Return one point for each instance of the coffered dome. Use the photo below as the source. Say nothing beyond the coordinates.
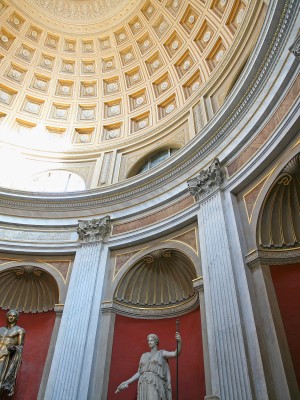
(105, 83)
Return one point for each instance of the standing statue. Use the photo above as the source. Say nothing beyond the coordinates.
(11, 347)
(154, 372)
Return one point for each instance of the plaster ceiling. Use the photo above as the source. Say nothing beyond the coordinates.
(83, 11)
(85, 76)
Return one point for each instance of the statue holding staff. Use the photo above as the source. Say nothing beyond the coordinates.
(154, 379)
(11, 347)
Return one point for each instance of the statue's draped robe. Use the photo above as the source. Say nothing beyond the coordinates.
(9, 361)
(155, 380)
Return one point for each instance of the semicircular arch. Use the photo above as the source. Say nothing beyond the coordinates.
(277, 215)
(43, 282)
(158, 282)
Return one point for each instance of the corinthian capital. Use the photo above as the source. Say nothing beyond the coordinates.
(94, 230)
(206, 181)
(295, 48)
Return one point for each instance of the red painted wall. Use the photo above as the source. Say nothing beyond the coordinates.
(38, 330)
(286, 280)
(130, 341)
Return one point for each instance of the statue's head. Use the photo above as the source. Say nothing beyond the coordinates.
(153, 337)
(12, 314)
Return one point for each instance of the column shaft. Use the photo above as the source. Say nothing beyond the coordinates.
(67, 365)
(229, 372)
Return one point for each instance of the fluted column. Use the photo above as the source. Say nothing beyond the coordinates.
(72, 361)
(227, 354)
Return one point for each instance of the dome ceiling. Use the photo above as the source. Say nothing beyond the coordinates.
(80, 11)
(79, 83)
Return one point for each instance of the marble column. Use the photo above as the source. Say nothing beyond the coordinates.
(72, 360)
(227, 354)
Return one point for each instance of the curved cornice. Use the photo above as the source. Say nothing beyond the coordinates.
(252, 82)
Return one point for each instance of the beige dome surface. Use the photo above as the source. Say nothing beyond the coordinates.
(80, 11)
(107, 82)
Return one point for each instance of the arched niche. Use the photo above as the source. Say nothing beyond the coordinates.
(30, 287)
(278, 222)
(157, 285)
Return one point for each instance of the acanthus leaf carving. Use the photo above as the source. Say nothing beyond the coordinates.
(295, 48)
(206, 181)
(94, 230)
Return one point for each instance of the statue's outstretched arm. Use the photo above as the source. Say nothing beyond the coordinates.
(124, 385)
(172, 354)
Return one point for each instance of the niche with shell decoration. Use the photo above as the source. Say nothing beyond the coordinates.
(278, 226)
(159, 285)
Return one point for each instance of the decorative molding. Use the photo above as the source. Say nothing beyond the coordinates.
(295, 48)
(150, 313)
(13, 234)
(155, 217)
(198, 284)
(157, 255)
(62, 266)
(189, 238)
(247, 153)
(207, 181)
(121, 259)
(271, 257)
(59, 308)
(94, 230)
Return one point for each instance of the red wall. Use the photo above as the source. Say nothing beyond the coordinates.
(130, 341)
(38, 330)
(286, 280)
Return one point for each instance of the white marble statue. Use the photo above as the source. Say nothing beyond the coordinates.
(154, 379)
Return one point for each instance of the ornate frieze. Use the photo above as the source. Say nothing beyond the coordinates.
(94, 230)
(271, 257)
(207, 180)
(36, 236)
